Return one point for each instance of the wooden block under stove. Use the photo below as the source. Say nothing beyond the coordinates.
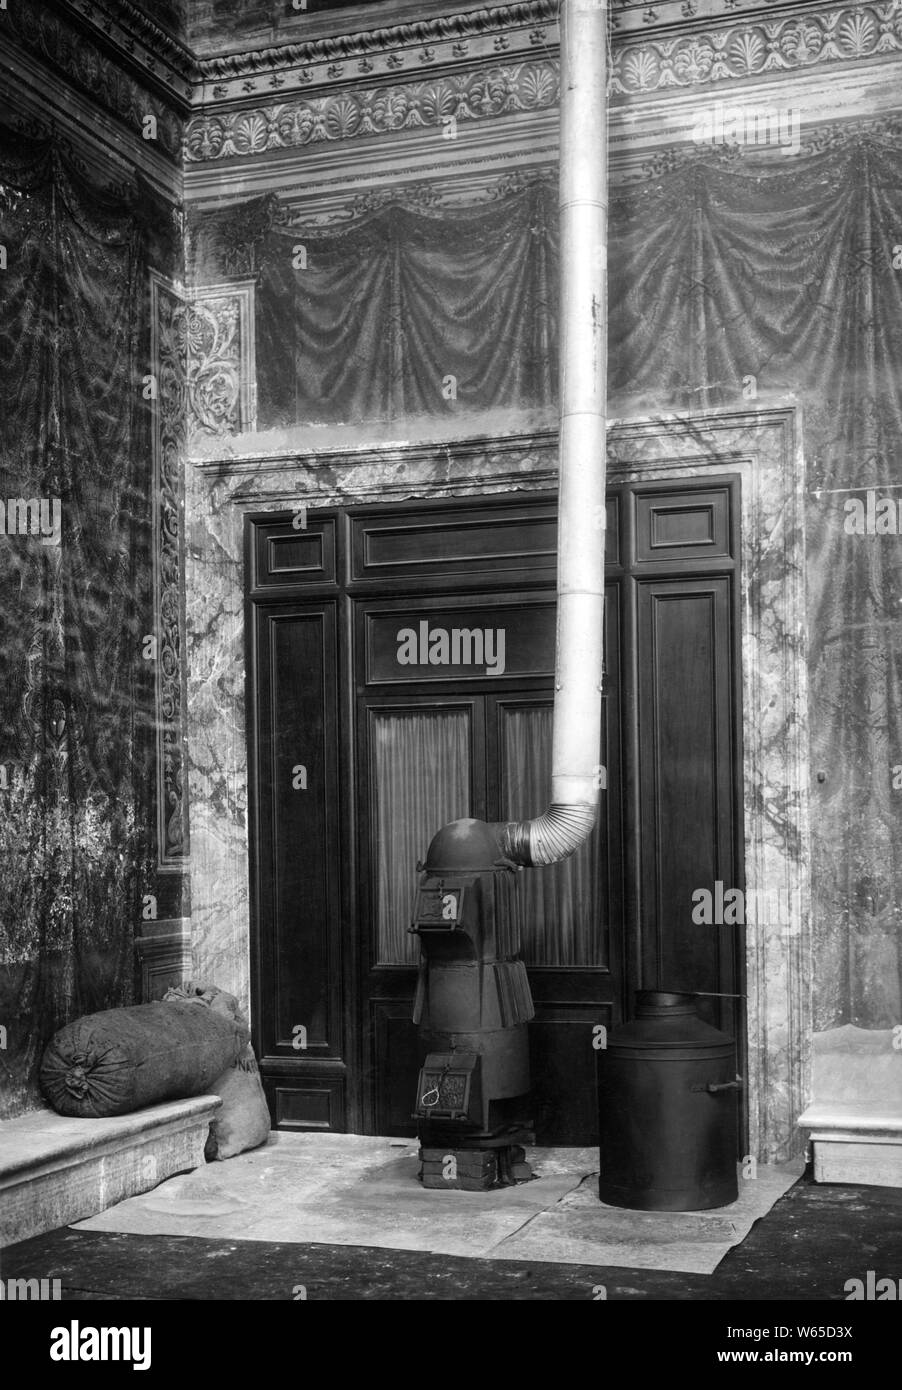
(468, 1170)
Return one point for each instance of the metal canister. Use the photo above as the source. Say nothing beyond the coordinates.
(667, 1110)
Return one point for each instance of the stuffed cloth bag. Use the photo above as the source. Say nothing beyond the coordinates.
(125, 1059)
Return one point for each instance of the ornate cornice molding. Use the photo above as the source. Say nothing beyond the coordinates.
(747, 50)
(627, 17)
(372, 110)
(122, 27)
(680, 41)
(64, 48)
(651, 16)
(430, 45)
(482, 63)
(137, 24)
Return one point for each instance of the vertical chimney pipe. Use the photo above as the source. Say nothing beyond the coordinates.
(569, 819)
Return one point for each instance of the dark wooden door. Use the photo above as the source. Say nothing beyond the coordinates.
(300, 968)
(399, 748)
(484, 752)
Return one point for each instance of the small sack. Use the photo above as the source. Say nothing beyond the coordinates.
(242, 1122)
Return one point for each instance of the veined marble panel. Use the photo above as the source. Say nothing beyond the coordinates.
(764, 447)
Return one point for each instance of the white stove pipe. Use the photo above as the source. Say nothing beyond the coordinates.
(568, 820)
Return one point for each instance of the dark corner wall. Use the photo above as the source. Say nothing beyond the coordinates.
(81, 229)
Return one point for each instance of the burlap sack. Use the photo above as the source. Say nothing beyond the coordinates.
(242, 1122)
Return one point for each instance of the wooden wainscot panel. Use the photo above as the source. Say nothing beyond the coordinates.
(668, 525)
(398, 1057)
(307, 1106)
(563, 1048)
(298, 548)
(299, 887)
(443, 541)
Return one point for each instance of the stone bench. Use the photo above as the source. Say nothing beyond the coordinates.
(855, 1116)
(55, 1170)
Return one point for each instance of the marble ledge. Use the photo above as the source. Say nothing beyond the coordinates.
(55, 1169)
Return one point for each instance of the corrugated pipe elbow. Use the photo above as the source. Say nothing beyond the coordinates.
(550, 837)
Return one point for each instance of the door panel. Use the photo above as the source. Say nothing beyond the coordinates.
(560, 913)
(421, 766)
(397, 1057)
(298, 1023)
(562, 1063)
(432, 641)
(686, 780)
(420, 762)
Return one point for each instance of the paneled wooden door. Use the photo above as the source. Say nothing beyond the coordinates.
(389, 750)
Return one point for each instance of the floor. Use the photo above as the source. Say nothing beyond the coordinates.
(352, 1189)
(812, 1241)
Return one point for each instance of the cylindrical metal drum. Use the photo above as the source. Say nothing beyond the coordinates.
(667, 1110)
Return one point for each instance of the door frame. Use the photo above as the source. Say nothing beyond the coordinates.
(304, 578)
(763, 445)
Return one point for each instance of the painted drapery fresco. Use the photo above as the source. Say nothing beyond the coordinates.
(398, 313)
(732, 276)
(76, 696)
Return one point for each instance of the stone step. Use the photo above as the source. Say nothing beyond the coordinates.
(854, 1121)
(855, 1143)
(55, 1170)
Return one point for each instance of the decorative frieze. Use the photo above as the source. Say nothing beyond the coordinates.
(220, 362)
(650, 16)
(372, 110)
(169, 315)
(760, 47)
(203, 363)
